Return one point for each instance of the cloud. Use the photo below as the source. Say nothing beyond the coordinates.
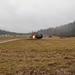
(31, 15)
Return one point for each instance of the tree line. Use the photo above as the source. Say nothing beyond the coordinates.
(67, 30)
(3, 32)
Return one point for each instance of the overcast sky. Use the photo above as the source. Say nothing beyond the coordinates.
(31, 15)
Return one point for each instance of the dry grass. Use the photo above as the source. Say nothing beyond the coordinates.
(38, 57)
(2, 38)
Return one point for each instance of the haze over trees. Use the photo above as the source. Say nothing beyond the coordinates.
(67, 30)
(4, 32)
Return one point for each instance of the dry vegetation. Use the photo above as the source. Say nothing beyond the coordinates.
(3, 38)
(38, 57)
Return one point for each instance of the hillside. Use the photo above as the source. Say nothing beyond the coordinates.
(67, 30)
(4, 32)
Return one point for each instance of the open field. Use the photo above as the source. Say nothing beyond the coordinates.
(2, 38)
(52, 56)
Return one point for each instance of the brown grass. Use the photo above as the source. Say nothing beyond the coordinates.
(2, 38)
(38, 57)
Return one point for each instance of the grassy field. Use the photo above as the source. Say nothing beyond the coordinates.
(2, 38)
(52, 56)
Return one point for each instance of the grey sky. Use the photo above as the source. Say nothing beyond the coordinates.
(31, 15)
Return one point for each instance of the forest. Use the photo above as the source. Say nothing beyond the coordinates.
(67, 30)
